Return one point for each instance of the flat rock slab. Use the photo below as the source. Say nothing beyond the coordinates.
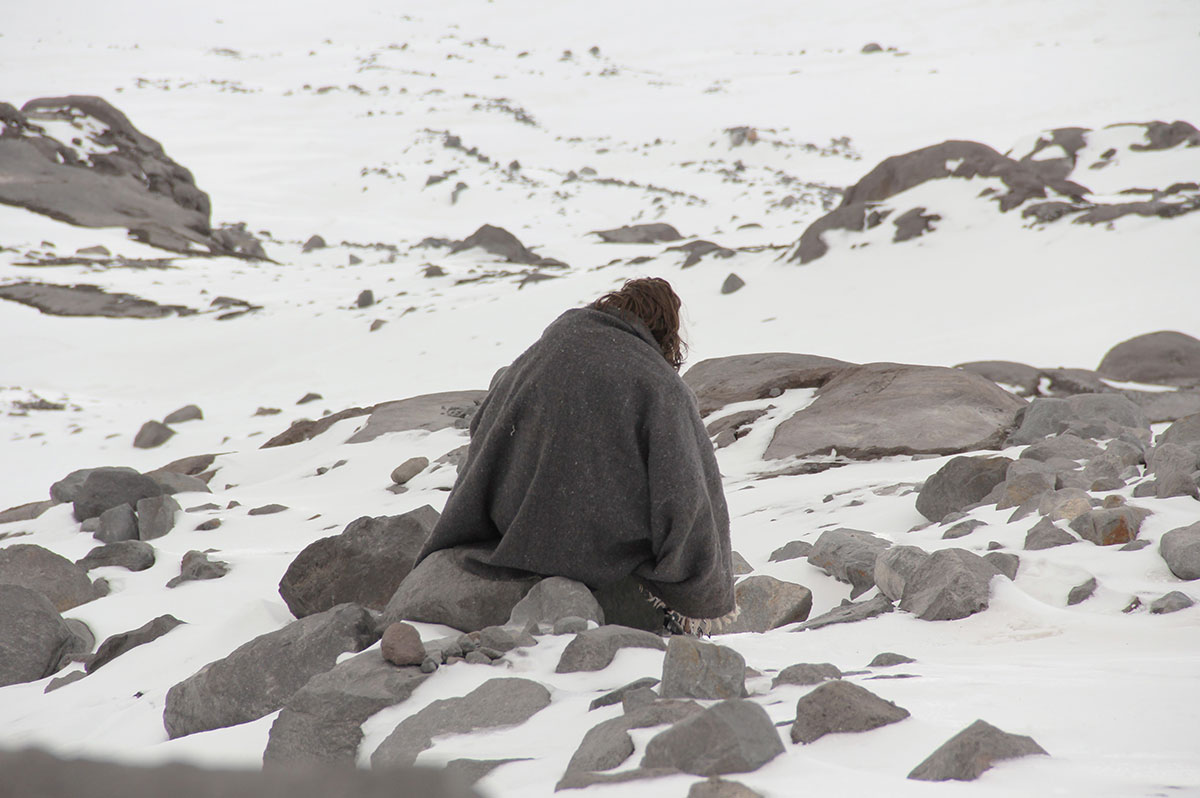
(849, 612)
(553, 599)
(498, 702)
(741, 378)
(87, 300)
(960, 483)
(848, 555)
(841, 706)
(951, 584)
(61, 581)
(732, 736)
(322, 721)
(884, 409)
(260, 676)
(34, 639)
(1180, 549)
(429, 412)
(594, 649)
(966, 755)
(118, 644)
(695, 669)
(766, 603)
(365, 564)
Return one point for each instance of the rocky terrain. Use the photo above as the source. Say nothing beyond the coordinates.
(257, 283)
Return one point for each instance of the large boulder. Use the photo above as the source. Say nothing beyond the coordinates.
(103, 172)
(966, 755)
(1110, 526)
(63, 582)
(732, 736)
(1166, 357)
(765, 603)
(740, 378)
(608, 744)
(322, 721)
(951, 584)
(365, 564)
(553, 599)
(34, 639)
(883, 409)
(497, 241)
(1180, 548)
(895, 566)
(1086, 415)
(960, 483)
(1023, 378)
(105, 488)
(695, 669)
(594, 649)
(260, 676)
(442, 590)
(430, 412)
(66, 490)
(848, 555)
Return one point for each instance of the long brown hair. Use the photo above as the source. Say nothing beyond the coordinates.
(652, 300)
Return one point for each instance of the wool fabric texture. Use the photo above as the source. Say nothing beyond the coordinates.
(588, 460)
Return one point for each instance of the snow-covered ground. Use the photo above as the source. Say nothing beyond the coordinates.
(329, 119)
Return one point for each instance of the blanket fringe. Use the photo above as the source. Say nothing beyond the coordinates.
(696, 627)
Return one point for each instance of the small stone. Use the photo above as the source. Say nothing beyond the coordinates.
(309, 397)
(960, 483)
(1081, 593)
(478, 658)
(740, 566)
(966, 755)
(209, 525)
(1004, 562)
(1045, 535)
(185, 413)
(429, 665)
(1172, 602)
(314, 242)
(376, 325)
(156, 516)
(267, 509)
(1180, 549)
(732, 283)
(791, 551)
(806, 673)
(841, 706)
(849, 612)
(152, 434)
(196, 566)
(1136, 545)
(402, 645)
(409, 469)
(887, 659)
(118, 644)
(694, 669)
(116, 524)
(1110, 527)
(135, 555)
(848, 555)
(617, 696)
(365, 299)
(963, 529)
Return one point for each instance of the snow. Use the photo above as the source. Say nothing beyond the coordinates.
(233, 91)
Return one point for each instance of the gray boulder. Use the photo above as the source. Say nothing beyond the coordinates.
(1066, 504)
(430, 412)
(401, 645)
(951, 584)
(1167, 357)
(185, 413)
(848, 555)
(1171, 602)
(34, 639)
(806, 673)
(766, 603)
(105, 488)
(116, 645)
(618, 696)
(594, 649)
(720, 788)
(649, 233)
(1068, 446)
(1089, 415)
(495, 703)
(497, 241)
(553, 599)
(116, 524)
(849, 612)
(152, 434)
(322, 722)
(196, 566)
(63, 582)
(156, 516)
(24, 512)
(740, 378)
(883, 409)
(1180, 548)
(888, 659)
(66, 490)
(173, 482)
(1110, 526)
(791, 551)
(841, 706)
(441, 590)
(1020, 488)
(733, 736)
(1082, 592)
(1005, 372)
(959, 484)
(608, 744)
(966, 755)
(135, 555)
(365, 564)
(1004, 562)
(1045, 535)
(895, 566)
(1184, 432)
(694, 669)
(260, 676)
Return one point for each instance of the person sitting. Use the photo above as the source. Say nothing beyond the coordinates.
(588, 460)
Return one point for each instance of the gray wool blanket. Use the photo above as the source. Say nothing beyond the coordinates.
(588, 460)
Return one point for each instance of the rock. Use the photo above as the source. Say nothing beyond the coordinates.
(472, 770)
(267, 509)
(639, 234)
(732, 283)
(196, 566)
(888, 659)
(118, 644)
(63, 681)
(841, 706)
(959, 484)
(1184, 432)
(135, 555)
(733, 736)
(105, 488)
(67, 489)
(365, 564)
(365, 299)
(1089, 415)
(1003, 562)
(409, 469)
(61, 581)
(766, 603)
(34, 639)
(1066, 504)
(497, 241)
(951, 584)
(608, 744)
(498, 702)
(429, 412)
(1005, 372)
(117, 524)
(209, 525)
(24, 512)
(185, 413)
(849, 612)
(594, 649)
(741, 378)
(1045, 535)
(441, 590)
(848, 555)
(173, 483)
(570, 625)
(618, 695)
(961, 530)
(1171, 602)
(884, 409)
(260, 676)
(740, 566)
(1082, 592)
(1167, 358)
(156, 516)
(694, 669)
(1066, 445)
(497, 640)
(720, 788)
(1021, 488)
(1180, 548)
(1108, 527)
(791, 551)
(152, 434)
(322, 722)
(86, 300)
(192, 466)
(895, 566)
(314, 242)
(401, 645)
(806, 673)
(966, 755)
(553, 599)
(32, 773)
